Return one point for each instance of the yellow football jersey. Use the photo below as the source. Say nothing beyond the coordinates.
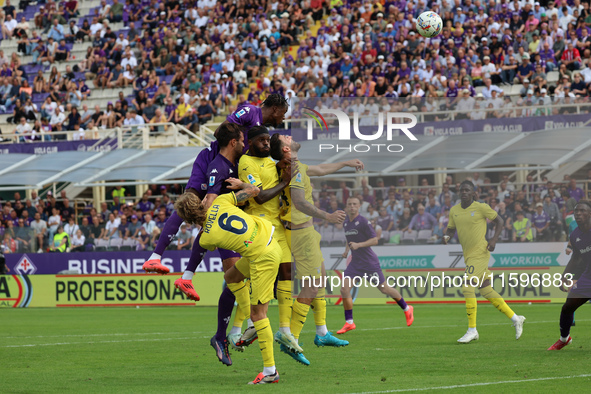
(471, 226)
(228, 227)
(301, 181)
(261, 172)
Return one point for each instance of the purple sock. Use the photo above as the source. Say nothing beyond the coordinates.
(566, 321)
(197, 254)
(225, 306)
(171, 227)
(401, 303)
(348, 314)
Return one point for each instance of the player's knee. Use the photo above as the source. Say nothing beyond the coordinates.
(468, 291)
(345, 292)
(485, 284)
(285, 271)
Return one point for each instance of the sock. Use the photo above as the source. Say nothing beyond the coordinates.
(349, 316)
(155, 256)
(249, 322)
(285, 330)
(197, 254)
(225, 306)
(402, 304)
(515, 318)
(235, 330)
(171, 227)
(265, 333)
(319, 307)
(494, 298)
(564, 339)
(299, 312)
(471, 329)
(285, 301)
(188, 275)
(321, 330)
(242, 297)
(269, 370)
(471, 311)
(566, 321)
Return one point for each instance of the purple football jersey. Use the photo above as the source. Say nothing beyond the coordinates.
(246, 116)
(581, 243)
(218, 171)
(359, 230)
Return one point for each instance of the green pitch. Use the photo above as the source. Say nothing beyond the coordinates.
(167, 350)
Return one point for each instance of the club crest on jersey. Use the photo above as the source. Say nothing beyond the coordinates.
(204, 186)
(211, 180)
(299, 177)
(251, 179)
(246, 243)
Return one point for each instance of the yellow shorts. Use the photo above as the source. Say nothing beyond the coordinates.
(281, 238)
(262, 273)
(478, 267)
(305, 247)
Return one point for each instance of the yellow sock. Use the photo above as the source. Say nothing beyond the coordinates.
(242, 294)
(285, 301)
(265, 333)
(470, 298)
(319, 308)
(299, 312)
(239, 318)
(494, 298)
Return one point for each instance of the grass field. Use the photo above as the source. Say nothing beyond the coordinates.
(167, 350)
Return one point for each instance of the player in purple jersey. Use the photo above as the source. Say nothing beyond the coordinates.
(364, 263)
(271, 113)
(577, 274)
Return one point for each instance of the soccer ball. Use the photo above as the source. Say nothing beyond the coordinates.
(429, 24)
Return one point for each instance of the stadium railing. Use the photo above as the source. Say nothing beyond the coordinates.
(147, 136)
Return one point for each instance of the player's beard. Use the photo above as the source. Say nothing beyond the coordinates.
(259, 153)
(295, 146)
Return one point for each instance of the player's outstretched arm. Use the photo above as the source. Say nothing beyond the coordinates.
(302, 205)
(329, 168)
(492, 243)
(245, 192)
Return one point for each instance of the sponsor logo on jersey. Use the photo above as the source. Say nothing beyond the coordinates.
(299, 177)
(472, 213)
(251, 179)
(214, 171)
(211, 180)
(231, 172)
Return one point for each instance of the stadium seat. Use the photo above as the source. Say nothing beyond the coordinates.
(115, 244)
(128, 244)
(101, 245)
(409, 238)
(393, 233)
(423, 236)
(515, 89)
(552, 77)
(338, 239)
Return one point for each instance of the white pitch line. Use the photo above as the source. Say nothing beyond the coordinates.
(459, 386)
(107, 335)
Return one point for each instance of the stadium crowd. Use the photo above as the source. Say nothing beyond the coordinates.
(539, 211)
(190, 61)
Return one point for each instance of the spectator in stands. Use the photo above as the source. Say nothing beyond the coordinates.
(9, 244)
(421, 221)
(78, 242)
(522, 228)
(111, 228)
(8, 27)
(143, 239)
(183, 241)
(574, 191)
(39, 228)
(53, 222)
(60, 240)
(145, 205)
(123, 230)
(97, 229)
(24, 237)
(71, 227)
(541, 222)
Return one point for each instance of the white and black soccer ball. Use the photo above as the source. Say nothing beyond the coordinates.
(429, 24)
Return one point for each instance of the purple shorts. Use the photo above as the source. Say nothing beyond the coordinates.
(198, 179)
(581, 289)
(227, 254)
(370, 271)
